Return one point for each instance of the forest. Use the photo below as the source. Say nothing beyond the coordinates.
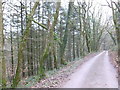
(38, 37)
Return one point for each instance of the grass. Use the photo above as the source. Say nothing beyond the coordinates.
(31, 81)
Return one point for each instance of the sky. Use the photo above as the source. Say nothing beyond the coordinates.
(97, 3)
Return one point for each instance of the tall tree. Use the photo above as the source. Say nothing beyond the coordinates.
(2, 58)
(116, 20)
(50, 47)
(22, 45)
(21, 16)
(65, 37)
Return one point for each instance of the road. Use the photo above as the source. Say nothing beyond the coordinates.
(97, 72)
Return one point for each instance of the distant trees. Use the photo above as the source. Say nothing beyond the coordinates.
(90, 31)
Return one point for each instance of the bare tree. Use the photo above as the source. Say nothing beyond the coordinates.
(2, 58)
(22, 45)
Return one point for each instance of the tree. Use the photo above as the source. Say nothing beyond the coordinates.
(12, 59)
(2, 59)
(116, 20)
(22, 45)
(50, 47)
(65, 37)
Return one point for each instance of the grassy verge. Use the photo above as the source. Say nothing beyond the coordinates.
(52, 77)
(55, 77)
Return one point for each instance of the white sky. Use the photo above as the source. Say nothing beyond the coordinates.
(98, 3)
(106, 11)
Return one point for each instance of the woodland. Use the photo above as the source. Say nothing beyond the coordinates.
(38, 36)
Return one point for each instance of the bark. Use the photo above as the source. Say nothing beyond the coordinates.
(41, 62)
(80, 36)
(85, 26)
(55, 55)
(118, 40)
(22, 46)
(116, 20)
(21, 14)
(52, 42)
(12, 59)
(43, 26)
(37, 42)
(69, 47)
(64, 41)
(50, 47)
(28, 57)
(31, 51)
(73, 44)
(3, 80)
(112, 37)
(78, 48)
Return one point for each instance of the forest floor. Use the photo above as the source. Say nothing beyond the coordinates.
(96, 70)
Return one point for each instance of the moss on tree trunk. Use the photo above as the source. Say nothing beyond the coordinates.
(22, 45)
(64, 41)
(2, 59)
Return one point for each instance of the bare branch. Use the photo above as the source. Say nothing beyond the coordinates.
(109, 5)
(117, 5)
(40, 24)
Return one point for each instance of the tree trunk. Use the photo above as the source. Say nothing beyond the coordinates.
(50, 47)
(64, 41)
(116, 20)
(12, 59)
(2, 59)
(69, 57)
(80, 35)
(22, 46)
(73, 44)
(21, 14)
(52, 43)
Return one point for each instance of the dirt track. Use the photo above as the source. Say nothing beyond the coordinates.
(98, 72)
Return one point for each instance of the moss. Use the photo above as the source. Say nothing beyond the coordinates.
(22, 46)
(43, 58)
